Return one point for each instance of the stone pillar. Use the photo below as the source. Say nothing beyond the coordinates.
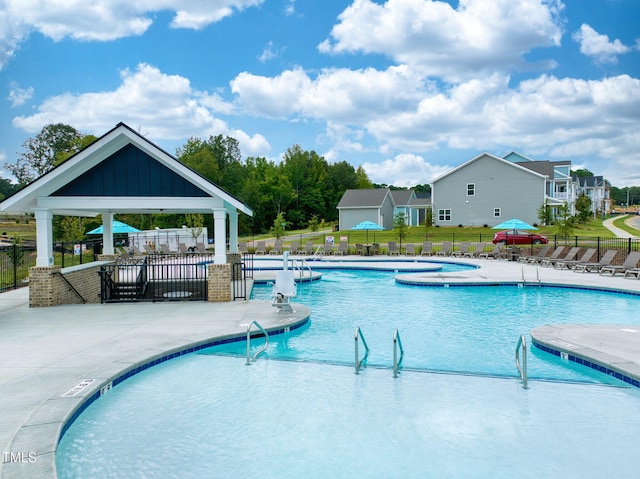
(42, 286)
(219, 284)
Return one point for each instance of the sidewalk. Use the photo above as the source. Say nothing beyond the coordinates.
(608, 223)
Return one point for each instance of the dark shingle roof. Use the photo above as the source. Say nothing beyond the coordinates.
(363, 198)
(401, 197)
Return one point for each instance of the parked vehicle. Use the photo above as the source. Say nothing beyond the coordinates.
(518, 237)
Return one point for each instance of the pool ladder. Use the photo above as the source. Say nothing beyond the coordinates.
(259, 351)
(397, 347)
(522, 369)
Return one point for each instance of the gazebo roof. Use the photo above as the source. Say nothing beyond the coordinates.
(122, 172)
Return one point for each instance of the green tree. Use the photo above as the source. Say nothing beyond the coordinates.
(69, 228)
(362, 180)
(279, 225)
(53, 145)
(400, 224)
(428, 217)
(582, 173)
(564, 222)
(6, 188)
(195, 223)
(545, 215)
(583, 207)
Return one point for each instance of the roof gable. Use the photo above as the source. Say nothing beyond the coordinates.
(365, 198)
(490, 156)
(402, 197)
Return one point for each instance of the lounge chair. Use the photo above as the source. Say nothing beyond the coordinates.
(585, 258)
(277, 247)
(445, 250)
(359, 248)
(606, 260)
(477, 249)
(182, 248)
(148, 249)
(632, 272)
(555, 255)
(497, 252)
(342, 248)
(327, 248)
(294, 248)
(427, 249)
(464, 248)
(375, 248)
(261, 248)
(630, 263)
(308, 247)
(283, 290)
(573, 252)
(410, 249)
(541, 253)
(201, 247)
(164, 248)
(393, 248)
(242, 247)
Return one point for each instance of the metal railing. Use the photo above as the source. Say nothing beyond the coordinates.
(261, 350)
(71, 287)
(360, 363)
(397, 345)
(522, 369)
(238, 281)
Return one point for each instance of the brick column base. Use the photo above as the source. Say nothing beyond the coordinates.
(219, 285)
(42, 286)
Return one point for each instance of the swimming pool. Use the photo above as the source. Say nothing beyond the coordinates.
(210, 416)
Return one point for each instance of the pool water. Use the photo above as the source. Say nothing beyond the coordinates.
(209, 415)
(456, 329)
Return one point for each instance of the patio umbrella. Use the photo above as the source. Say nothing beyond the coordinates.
(514, 224)
(118, 228)
(368, 225)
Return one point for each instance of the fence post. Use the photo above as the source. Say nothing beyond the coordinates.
(15, 266)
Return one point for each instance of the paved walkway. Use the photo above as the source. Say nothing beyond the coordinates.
(47, 353)
(620, 233)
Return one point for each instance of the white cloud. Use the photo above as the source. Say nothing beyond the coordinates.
(19, 96)
(404, 170)
(290, 7)
(268, 53)
(438, 40)
(598, 46)
(163, 107)
(102, 20)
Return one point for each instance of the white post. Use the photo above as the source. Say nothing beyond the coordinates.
(107, 233)
(220, 235)
(285, 260)
(233, 231)
(44, 237)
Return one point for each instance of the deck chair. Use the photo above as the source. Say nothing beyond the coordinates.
(464, 248)
(410, 249)
(294, 248)
(308, 247)
(375, 248)
(477, 249)
(498, 251)
(632, 272)
(630, 263)
(242, 247)
(393, 248)
(283, 290)
(342, 248)
(277, 247)
(555, 255)
(261, 248)
(585, 258)
(182, 248)
(540, 254)
(606, 260)
(148, 249)
(445, 250)
(359, 248)
(164, 248)
(327, 248)
(427, 249)
(573, 252)
(201, 247)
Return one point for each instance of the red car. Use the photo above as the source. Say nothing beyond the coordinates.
(518, 237)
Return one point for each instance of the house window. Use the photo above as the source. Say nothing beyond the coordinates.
(444, 215)
(471, 189)
(497, 212)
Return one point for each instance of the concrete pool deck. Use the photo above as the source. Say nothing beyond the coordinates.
(47, 353)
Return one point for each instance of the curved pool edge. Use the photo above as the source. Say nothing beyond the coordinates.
(609, 349)
(48, 422)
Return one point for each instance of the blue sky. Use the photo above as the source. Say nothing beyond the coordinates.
(406, 88)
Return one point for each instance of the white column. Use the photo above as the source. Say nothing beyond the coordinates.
(233, 231)
(107, 233)
(220, 235)
(44, 237)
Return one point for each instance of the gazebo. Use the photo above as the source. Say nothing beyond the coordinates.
(123, 172)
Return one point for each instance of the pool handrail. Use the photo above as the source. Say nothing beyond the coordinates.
(522, 344)
(397, 344)
(360, 363)
(260, 351)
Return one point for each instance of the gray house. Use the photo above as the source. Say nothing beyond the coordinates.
(375, 205)
(487, 190)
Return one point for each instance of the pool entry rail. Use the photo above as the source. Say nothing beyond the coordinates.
(360, 363)
(522, 370)
(397, 345)
(259, 351)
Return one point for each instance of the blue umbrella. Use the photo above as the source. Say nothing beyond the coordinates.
(368, 225)
(118, 228)
(514, 224)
